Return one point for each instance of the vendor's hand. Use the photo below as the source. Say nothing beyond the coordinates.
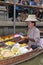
(27, 38)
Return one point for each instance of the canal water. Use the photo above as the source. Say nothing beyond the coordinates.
(35, 61)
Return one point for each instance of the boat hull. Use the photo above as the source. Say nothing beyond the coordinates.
(21, 58)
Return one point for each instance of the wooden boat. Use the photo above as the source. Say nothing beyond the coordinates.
(21, 58)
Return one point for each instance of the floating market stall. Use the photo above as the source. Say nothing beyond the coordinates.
(15, 49)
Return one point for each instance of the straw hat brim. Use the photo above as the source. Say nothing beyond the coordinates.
(31, 18)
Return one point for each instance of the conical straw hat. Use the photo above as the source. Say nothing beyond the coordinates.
(31, 18)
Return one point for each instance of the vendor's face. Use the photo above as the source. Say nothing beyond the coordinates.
(30, 24)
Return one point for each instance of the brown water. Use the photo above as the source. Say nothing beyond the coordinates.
(36, 61)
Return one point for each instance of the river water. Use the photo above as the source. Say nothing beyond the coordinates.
(35, 61)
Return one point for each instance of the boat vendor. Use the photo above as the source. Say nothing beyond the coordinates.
(33, 34)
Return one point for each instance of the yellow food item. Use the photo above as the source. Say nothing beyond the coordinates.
(1, 39)
(22, 45)
(6, 53)
(7, 38)
(22, 36)
(11, 54)
(9, 43)
(14, 50)
(1, 49)
(1, 57)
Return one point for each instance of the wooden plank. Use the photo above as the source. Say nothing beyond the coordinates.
(10, 23)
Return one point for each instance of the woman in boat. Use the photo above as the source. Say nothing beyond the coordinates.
(33, 34)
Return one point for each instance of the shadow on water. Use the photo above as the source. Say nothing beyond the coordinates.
(35, 61)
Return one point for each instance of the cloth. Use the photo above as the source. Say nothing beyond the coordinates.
(35, 34)
(34, 46)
